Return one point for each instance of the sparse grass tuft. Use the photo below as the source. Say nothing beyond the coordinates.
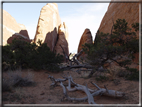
(19, 81)
(13, 79)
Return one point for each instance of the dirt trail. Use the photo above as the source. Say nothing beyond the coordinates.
(42, 93)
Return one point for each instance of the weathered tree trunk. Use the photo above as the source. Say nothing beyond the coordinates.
(89, 92)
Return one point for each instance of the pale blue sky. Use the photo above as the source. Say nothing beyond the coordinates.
(77, 16)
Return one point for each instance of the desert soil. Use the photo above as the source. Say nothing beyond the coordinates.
(43, 93)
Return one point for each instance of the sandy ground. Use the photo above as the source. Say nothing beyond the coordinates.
(43, 93)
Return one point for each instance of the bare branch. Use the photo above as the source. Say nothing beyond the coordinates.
(75, 57)
(106, 89)
(96, 85)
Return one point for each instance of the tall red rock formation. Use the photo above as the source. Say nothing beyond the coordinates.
(10, 27)
(51, 31)
(128, 11)
(48, 23)
(85, 38)
(62, 41)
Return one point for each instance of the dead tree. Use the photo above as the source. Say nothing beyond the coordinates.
(75, 63)
(89, 92)
(74, 59)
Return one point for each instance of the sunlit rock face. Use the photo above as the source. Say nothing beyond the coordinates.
(62, 41)
(47, 27)
(128, 11)
(66, 31)
(10, 27)
(85, 38)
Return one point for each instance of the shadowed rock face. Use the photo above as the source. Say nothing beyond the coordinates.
(62, 41)
(51, 39)
(48, 23)
(127, 11)
(10, 27)
(85, 38)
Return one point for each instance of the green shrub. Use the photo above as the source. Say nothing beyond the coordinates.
(133, 75)
(29, 55)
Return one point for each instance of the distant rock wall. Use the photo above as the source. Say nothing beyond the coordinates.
(10, 27)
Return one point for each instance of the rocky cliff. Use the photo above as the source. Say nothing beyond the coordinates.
(128, 11)
(10, 27)
(47, 28)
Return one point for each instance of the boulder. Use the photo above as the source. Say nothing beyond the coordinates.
(18, 36)
(24, 33)
(48, 23)
(85, 38)
(62, 42)
(10, 27)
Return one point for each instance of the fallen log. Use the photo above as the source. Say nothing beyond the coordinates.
(89, 92)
